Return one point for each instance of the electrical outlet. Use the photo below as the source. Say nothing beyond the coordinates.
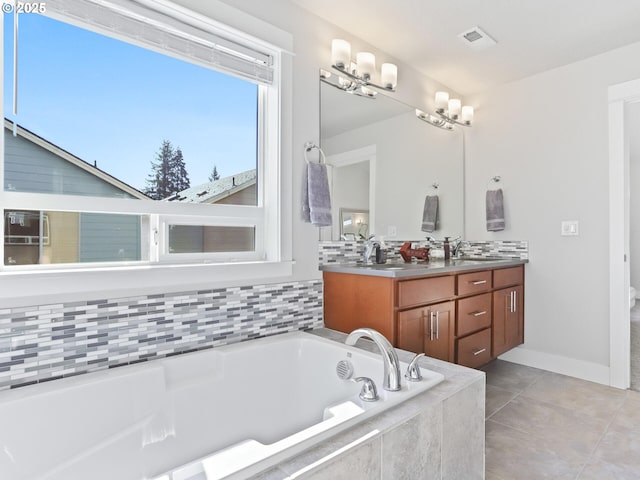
(569, 228)
(392, 231)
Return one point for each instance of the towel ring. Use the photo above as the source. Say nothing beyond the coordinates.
(310, 146)
(494, 179)
(435, 186)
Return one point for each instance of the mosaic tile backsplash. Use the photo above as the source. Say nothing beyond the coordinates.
(48, 342)
(351, 252)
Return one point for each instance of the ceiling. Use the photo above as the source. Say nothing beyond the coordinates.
(532, 35)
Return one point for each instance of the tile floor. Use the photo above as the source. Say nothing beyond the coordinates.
(544, 425)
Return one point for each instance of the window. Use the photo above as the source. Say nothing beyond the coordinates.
(138, 139)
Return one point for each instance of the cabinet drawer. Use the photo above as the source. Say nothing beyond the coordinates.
(425, 290)
(475, 350)
(505, 277)
(474, 313)
(474, 282)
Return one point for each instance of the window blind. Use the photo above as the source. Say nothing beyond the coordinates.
(159, 31)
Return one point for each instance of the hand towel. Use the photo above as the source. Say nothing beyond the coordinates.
(495, 210)
(316, 203)
(430, 213)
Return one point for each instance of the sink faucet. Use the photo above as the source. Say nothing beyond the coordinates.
(369, 246)
(391, 380)
(456, 243)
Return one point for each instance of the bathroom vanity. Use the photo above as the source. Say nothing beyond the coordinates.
(465, 311)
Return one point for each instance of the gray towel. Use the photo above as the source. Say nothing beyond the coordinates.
(316, 203)
(430, 213)
(495, 210)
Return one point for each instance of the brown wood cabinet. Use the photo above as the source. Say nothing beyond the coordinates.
(429, 329)
(468, 318)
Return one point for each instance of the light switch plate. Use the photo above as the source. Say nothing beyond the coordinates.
(569, 228)
(392, 231)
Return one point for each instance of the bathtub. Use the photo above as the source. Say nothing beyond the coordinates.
(227, 412)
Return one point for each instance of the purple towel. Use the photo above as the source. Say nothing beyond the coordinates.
(316, 204)
(495, 210)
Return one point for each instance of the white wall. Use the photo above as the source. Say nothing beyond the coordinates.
(312, 48)
(547, 136)
(633, 127)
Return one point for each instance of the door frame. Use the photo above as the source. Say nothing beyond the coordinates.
(620, 95)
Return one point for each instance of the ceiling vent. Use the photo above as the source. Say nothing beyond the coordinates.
(476, 38)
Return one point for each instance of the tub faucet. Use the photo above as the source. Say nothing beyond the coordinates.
(391, 380)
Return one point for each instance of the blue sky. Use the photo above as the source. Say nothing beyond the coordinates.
(107, 101)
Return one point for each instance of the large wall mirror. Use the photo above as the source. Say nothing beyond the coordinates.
(384, 161)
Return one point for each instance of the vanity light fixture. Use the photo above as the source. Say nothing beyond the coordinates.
(451, 110)
(362, 70)
(433, 120)
(346, 85)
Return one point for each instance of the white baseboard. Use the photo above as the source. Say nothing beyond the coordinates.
(572, 367)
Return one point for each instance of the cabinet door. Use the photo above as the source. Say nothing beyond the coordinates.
(439, 331)
(428, 330)
(411, 329)
(508, 319)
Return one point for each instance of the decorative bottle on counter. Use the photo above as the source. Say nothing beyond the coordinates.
(447, 249)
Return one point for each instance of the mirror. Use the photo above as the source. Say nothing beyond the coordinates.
(354, 224)
(383, 160)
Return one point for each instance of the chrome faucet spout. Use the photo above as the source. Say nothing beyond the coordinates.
(391, 380)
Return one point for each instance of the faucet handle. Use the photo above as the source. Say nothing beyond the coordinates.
(413, 370)
(369, 392)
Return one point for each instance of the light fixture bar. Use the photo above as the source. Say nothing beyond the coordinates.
(434, 121)
(346, 85)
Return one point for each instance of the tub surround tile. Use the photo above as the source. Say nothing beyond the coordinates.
(362, 462)
(413, 450)
(463, 445)
(45, 342)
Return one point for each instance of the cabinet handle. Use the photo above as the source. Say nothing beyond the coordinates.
(515, 301)
(478, 352)
(479, 314)
(478, 282)
(431, 318)
(437, 325)
(511, 301)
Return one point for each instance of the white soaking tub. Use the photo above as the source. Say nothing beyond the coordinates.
(227, 412)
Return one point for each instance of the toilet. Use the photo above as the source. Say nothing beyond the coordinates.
(632, 297)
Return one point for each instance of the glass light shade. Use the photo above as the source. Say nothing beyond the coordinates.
(454, 107)
(442, 100)
(366, 64)
(467, 114)
(389, 75)
(340, 53)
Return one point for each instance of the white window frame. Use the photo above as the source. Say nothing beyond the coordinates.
(270, 216)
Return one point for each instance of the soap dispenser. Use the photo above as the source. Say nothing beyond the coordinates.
(447, 248)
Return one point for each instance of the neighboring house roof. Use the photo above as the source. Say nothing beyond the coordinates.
(212, 192)
(76, 161)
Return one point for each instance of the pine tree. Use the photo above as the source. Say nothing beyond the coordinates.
(179, 175)
(168, 173)
(214, 174)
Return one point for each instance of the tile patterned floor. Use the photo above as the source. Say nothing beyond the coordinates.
(541, 425)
